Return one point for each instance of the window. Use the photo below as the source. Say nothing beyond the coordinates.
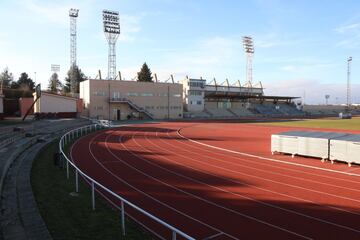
(199, 102)
(177, 95)
(99, 93)
(225, 105)
(116, 94)
(200, 84)
(98, 107)
(195, 92)
(147, 94)
(131, 94)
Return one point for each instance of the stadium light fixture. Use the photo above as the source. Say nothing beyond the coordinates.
(348, 89)
(248, 45)
(73, 14)
(111, 29)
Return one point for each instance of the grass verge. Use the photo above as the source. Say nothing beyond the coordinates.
(343, 124)
(69, 217)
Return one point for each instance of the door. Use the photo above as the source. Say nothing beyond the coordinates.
(118, 114)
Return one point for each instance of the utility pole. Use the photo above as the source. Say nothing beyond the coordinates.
(348, 89)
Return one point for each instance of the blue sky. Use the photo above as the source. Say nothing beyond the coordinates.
(301, 46)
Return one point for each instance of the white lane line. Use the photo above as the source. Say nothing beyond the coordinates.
(212, 236)
(266, 158)
(223, 190)
(110, 201)
(262, 163)
(210, 202)
(286, 184)
(138, 190)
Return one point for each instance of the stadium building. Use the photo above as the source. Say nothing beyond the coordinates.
(1, 105)
(202, 100)
(121, 100)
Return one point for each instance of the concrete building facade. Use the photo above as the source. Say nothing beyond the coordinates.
(121, 100)
(54, 103)
(193, 92)
(1, 105)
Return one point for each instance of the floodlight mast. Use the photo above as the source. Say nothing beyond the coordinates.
(249, 52)
(73, 14)
(348, 88)
(111, 22)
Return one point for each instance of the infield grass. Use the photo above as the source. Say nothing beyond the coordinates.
(342, 124)
(71, 217)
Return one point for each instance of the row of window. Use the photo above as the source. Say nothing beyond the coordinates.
(224, 105)
(134, 94)
(195, 102)
(195, 93)
(146, 107)
(162, 107)
(196, 84)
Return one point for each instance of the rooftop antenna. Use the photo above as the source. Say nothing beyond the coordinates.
(249, 52)
(112, 31)
(73, 14)
(348, 89)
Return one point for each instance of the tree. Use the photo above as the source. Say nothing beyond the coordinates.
(24, 83)
(54, 83)
(6, 78)
(145, 74)
(73, 79)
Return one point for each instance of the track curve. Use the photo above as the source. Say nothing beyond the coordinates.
(219, 181)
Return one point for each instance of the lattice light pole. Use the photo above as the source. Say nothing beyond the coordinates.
(73, 14)
(249, 52)
(112, 31)
(348, 88)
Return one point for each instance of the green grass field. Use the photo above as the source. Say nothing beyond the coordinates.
(71, 217)
(342, 124)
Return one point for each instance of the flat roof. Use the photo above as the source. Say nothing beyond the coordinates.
(233, 95)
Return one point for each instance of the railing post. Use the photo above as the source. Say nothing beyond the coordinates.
(76, 181)
(123, 218)
(93, 195)
(173, 235)
(67, 169)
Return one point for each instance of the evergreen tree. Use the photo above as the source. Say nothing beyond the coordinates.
(6, 78)
(73, 79)
(24, 83)
(54, 83)
(145, 74)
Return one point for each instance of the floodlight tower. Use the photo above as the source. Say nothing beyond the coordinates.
(348, 88)
(249, 52)
(73, 14)
(112, 31)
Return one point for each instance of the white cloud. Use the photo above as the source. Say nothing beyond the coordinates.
(313, 90)
(348, 28)
(46, 11)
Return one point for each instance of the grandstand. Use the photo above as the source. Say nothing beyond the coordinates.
(214, 100)
(329, 110)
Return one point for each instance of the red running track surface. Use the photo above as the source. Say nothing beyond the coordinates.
(220, 181)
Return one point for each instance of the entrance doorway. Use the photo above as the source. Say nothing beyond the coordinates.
(118, 114)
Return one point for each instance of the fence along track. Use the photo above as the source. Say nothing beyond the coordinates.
(81, 131)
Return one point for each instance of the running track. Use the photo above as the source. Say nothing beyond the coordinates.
(219, 181)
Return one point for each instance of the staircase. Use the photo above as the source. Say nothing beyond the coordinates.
(230, 111)
(133, 105)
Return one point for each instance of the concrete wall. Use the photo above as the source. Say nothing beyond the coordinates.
(156, 98)
(1, 104)
(52, 103)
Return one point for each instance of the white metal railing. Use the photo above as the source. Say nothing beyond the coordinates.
(81, 131)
